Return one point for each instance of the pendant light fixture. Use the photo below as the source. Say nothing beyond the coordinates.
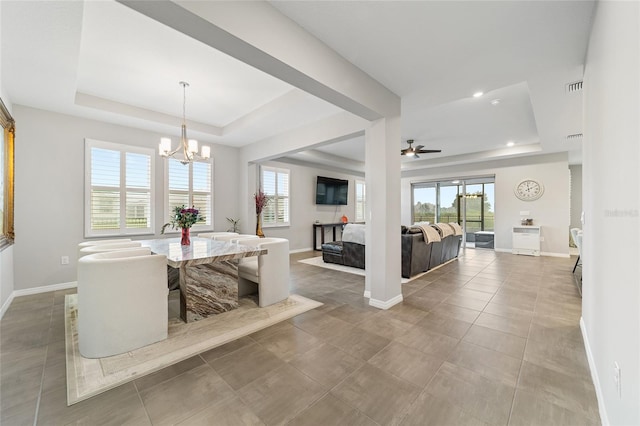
(189, 147)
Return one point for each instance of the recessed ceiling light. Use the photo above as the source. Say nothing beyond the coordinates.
(478, 94)
(511, 143)
(495, 102)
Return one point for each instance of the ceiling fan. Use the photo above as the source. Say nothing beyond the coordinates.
(413, 152)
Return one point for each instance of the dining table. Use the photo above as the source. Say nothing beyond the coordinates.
(207, 273)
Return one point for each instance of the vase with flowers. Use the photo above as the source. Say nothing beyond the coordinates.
(262, 200)
(183, 218)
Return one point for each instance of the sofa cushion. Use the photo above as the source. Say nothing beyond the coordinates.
(354, 233)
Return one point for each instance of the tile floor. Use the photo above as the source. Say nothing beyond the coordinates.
(489, 339)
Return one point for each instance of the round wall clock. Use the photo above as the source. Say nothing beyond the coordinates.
(529, 190)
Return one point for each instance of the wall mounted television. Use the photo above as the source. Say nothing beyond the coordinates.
(331, 191)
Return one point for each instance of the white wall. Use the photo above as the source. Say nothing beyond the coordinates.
(304, 211)
(551, 211)
(49, 209)
(576, 195)
(611, 199)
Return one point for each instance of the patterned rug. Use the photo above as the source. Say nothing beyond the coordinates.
(90, 377)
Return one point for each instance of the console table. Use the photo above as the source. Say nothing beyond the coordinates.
(322, 227)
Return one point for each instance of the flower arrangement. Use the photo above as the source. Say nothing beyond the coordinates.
(183, 218)
(262, 200)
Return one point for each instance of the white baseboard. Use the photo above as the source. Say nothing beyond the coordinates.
(44, 289)
(386, 305)
(35, 290)
(6, 305)
(594, 375)
(543, 253)
(367, 294)
(551, 254)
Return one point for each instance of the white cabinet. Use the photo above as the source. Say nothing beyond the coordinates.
(526, 240)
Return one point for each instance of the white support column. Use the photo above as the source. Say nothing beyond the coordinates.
(382, 173)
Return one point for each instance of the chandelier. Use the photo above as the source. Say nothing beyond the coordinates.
(189, 147)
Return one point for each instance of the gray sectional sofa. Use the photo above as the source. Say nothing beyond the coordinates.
(417, 255)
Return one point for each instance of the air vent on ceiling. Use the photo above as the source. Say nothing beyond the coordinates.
(576, 137)
(574, 87)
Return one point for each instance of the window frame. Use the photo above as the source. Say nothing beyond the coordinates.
(277, 170)
(167, 214)
(7, 237)
(123, 149)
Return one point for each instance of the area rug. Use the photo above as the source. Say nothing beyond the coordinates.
(90, 377)
(317, 261)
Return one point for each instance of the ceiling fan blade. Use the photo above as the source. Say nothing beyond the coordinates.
(419, 147)
(403, 152)
(428, 151)
(416, 156)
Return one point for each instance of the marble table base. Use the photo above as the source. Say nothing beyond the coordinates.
(208, 289)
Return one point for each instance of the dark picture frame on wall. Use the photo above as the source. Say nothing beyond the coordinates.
(7, 163)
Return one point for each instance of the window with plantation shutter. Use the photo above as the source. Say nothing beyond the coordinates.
(119, 190)
(190, 185)
(360, 200)
(275, 184)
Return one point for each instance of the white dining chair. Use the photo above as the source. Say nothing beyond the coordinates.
(100, 242)
(122, 301)
(269, 272)
(235, 238)
(100, 248)
(214, 234)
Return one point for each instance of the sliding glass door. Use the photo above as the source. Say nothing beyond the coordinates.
(468, 202)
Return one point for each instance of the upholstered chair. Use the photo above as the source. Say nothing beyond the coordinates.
(122, 301)
(270, 272)
(234, 238)
(99, 242)
(100, 248)
(214, 234)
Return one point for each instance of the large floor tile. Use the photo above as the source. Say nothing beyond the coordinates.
(326, 364)
(280, 395)
(444, 325)
(517, 327)
(486, 362)
(385, 326)
(530, 409)
(119, 406)
(330, 411)
(498, 341)
(485, 399)
(407, 363)
(246, 365)
(429, 410)
(181, 397)
(429, 342)
(377, 394)
(229, 412)
(572, 393)
(288, 342)
(360, 343)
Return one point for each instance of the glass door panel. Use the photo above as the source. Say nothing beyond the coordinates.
(424, 204)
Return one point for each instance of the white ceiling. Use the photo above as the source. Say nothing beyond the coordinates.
(102, 60)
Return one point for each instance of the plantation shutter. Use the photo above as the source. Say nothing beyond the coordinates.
(191, 185)
(275, 184)
(119, 190)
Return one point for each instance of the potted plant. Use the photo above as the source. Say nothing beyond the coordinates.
(262, 200)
